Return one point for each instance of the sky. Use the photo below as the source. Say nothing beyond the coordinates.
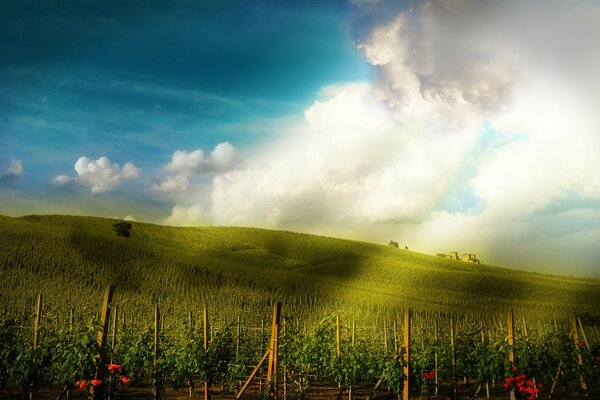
(445, 125)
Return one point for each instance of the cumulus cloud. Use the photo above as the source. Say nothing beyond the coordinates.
(184, 166)
(99, 175)
(172, 184)
(350, 163)
(480, 115)
(11, 172)
(223, 157)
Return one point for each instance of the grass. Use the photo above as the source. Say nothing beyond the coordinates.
(70, 259)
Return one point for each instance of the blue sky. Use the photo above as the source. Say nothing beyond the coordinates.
(444, 125)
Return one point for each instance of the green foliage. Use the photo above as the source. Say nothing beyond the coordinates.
(122, 228)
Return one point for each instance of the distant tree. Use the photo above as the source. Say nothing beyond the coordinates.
(393, 244)
(122, 228)
(405, 247)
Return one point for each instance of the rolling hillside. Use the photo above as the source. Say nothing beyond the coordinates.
(70, 259)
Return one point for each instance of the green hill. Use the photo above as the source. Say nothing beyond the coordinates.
(70, 259)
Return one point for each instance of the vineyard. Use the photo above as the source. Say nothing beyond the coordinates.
(409, 355)
(341, 333)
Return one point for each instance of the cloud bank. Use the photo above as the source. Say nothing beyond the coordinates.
(475, 123)
(99, 175)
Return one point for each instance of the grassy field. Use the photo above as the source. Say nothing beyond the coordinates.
(70, 259)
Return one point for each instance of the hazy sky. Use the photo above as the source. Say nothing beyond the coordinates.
(444, 125)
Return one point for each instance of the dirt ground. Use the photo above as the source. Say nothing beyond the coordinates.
(253, 393)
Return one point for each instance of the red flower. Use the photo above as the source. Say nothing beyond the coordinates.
(124, 379)
(81, 384)
(113, 367)
(96, 382)
(581, 343)
(514, 368)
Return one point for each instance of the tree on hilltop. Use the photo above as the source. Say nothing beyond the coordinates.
(122, 228)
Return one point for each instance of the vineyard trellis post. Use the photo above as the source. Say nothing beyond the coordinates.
(453, 349)
(273, 352)
(406, 388)
(113, 383)
(98, 392)
(156, 389)
(587, 345)
(511, 344)
(352, 342)
(435, 355)
(205, 346)
(338, 352)
(36, 325)
(575, 333)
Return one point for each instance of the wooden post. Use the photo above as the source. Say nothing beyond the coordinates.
(406, 391)
(245, 386)
(113, 384)
(274, 352)
(582, 383)
(114, 330)
(395, 336)
(385, 339)
(285, 370)
(454, 391)
(511, 344)
(205, 346)
(239, 331)
(36, 325)
(156, 389)
(487, 384)
(587, 345)
(338, 350)
(98, 392)
(38, 320)
(435, 356)
(353, 342)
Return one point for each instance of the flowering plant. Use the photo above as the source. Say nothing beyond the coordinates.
(521, 383)
(114, 376)
(426, 377)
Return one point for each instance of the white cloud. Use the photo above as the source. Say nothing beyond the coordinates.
(100, 175)
(223, 157)
(350, 163)
(187, 167)
(62, 180)
(186, 216)
(12, 171)
(172, 184)
(474, 124)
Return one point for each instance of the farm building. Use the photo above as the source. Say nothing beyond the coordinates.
(468, 257)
